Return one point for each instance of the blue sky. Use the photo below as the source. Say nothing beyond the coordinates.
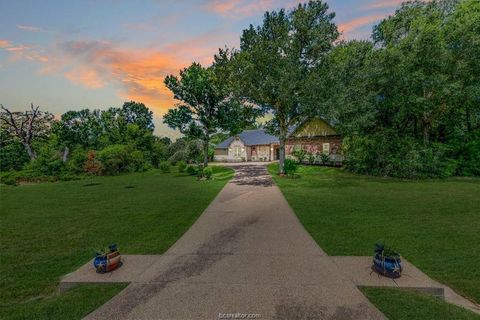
(66, 55)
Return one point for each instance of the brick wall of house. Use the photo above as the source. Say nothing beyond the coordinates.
(314, 145)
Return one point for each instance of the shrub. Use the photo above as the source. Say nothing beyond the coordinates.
(300, 154)
(403, 157)
(92, 165)
(311, 158)
(48, 162)
(115, 159)
(164, 166)
(182, 165)
(207, 173)
(8, 178)
(76, 161)
(324, 158)
(191, 170)
(137, 162)
(204, 173)
(290, 167)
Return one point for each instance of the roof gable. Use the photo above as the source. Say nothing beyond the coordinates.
(315, 127)
(250, 138)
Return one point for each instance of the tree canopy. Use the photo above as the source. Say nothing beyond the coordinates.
(206, 107)
(276, 59)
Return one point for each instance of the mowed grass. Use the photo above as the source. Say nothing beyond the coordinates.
(435, 224)
(400, 304)
(51, 229)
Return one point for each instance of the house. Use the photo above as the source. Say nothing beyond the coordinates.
(315, 136)
(249, 145)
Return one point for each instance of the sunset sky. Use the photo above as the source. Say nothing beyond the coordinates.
(68, 55)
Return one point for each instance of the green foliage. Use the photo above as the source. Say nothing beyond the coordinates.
(182, 166)
(408, 106)
(192, 170)
(311, 158)
(115, 159)
(204, 173)
(207, 173)
(13, 155)
(206, 105)
(290, 167)
(325, 159)
(8, 178)
(300, 154)
(48, 161)
(276, 60)
(75, 164)
(165, 166)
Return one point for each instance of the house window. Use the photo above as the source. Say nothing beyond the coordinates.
(326, 148)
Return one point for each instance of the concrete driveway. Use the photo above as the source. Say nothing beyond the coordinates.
(246, 257)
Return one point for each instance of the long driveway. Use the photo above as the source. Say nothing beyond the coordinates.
(247, 256)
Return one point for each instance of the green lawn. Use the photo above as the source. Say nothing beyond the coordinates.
(50, 229)
(407, 305)
(435, 224)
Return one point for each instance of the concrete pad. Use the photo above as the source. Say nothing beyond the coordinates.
(132, 267)
(359, 270)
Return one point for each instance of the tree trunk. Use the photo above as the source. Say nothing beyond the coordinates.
(30, 151)
(205, 153)
(66, 152)
(281, 156)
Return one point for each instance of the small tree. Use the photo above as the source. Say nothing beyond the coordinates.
(27, 126)
(206, 107)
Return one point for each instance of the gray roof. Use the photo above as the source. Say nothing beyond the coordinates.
(250, 138)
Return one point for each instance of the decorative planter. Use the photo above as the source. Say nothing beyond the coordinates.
(387, 264)
(106, 262)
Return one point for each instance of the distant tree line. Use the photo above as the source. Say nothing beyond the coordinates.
(407, 102)
(37, 147)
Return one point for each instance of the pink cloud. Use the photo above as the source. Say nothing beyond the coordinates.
(238, 9)
(352, 25)
(23, 52)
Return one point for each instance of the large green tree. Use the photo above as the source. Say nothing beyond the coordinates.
(207, 105)
(408, 103)
(276, 59)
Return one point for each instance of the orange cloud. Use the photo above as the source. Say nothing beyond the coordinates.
(354, 24)
(4, 43)
(139, 73)
(86, 77)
